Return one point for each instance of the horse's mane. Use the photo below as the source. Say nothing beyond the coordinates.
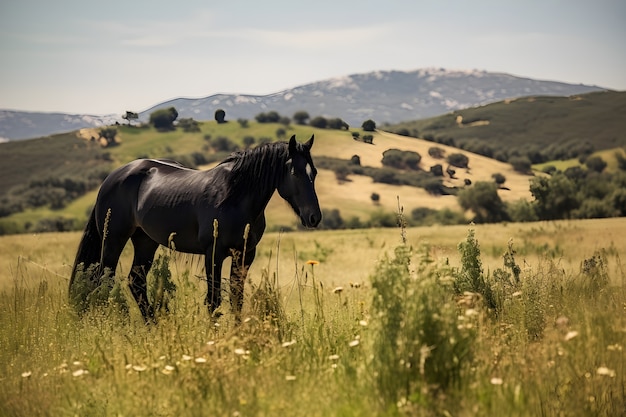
(257, 170)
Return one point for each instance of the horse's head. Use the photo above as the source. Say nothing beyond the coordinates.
(298, 184)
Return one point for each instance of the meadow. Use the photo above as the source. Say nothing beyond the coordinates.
(475, 320)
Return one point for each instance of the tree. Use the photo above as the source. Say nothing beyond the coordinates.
(483, 200)
(248, 141)
(436, 152)
(189, 125)
(163, 119)
(555, 196)
(107, 136)
(458, 160)
(220, 116)
(338, 124)
(273, 117)
(369, 125)
(498, 178)
(281, 133)
(319, 122)
(130, 116)
(355, 160)
(595, 163)
(375, 197)
(301, 117)
(520, 164)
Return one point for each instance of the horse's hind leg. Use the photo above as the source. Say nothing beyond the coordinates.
(145, 248)
(238, 273)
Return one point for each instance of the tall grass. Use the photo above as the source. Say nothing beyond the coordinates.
(411, 341)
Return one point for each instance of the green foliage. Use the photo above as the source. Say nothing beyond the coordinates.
(561, 127)
(369, 125)
(223, 144)
(129, 116)
(595, 163)
(108, 134)
(189, 125)
(555, 197)
(163, 119)
(220, 116)
(483, 200)
(301, 117)
(421, 349)
(319, 122)
(520, 164)
(470, 277)
(459, 160)
(436, 152)
(396, 158)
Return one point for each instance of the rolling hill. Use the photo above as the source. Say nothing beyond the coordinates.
(352, 197)
(514, 124)
(544, 128)
(383, 96)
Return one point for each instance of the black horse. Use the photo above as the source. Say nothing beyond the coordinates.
(158, 202)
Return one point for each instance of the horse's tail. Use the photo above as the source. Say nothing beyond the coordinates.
(86, 270)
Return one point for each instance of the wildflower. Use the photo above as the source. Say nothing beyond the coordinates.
(337, 290)
(354, 343)
(168, 369)
(312, 262)
(603, 370)
(615, 347)
(362, 323)
(287, 344)
(139, 368)
(26, 374)
(187, 358)
(496, 381)
(333, 357)
(79, 372)
(240, 351)
(570, 335)
(290, 377)
(200, 360)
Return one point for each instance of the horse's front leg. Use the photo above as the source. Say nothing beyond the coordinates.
(213, 264)
(238, 273)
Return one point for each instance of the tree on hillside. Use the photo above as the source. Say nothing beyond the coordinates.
(130, 116)
(301, 117)
(483, 200)
(163, 119)
(107, 136)
(458, 160)
(319, 122)
(369, 125)
(595, 163)
(555, 197)
(220, 116)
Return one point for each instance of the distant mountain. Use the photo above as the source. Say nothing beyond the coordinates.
(16, 125)
(383, 96)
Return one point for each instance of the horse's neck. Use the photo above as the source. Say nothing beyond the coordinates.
(253, 189)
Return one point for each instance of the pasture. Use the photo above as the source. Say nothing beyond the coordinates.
(342, 323)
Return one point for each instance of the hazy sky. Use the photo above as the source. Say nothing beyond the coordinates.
(101, 57)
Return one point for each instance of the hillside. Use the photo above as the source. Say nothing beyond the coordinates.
(383, 96)
(352, 198)
(542, 128)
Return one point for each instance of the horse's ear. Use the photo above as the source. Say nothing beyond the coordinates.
(293, 145)
(309, 143)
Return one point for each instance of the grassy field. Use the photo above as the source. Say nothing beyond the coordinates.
(377, 327)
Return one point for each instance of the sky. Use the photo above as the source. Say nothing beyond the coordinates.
(107, 57)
